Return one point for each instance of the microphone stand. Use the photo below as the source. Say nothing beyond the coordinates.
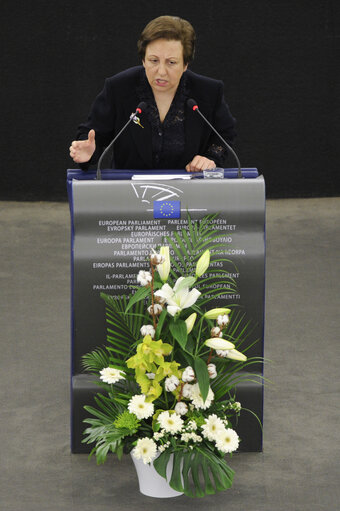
(196, 109)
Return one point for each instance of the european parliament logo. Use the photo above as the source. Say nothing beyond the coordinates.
(167, 209)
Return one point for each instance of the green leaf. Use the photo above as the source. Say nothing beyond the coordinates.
(139, 295)
(202, 375)
(196, 473)
(179, 330)
(160, 324)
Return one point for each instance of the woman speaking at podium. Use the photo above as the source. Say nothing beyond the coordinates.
(167, 134)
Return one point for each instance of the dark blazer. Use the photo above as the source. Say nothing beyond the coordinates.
(133, 150)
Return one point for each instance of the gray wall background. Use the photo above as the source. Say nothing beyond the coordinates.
(278, 60)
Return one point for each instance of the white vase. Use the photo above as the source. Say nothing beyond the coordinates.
(151, 483)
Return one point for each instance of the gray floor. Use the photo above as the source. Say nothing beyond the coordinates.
(299, 468)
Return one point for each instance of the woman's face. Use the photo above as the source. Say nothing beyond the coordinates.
(164, 65)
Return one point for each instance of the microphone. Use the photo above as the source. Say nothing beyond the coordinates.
(193, 105)
(140, 108)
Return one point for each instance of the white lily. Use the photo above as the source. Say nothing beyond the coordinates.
(164, 268)
(219, 344)
(179, 297)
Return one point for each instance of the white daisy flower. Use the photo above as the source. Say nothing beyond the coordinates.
(212, 371)
(181, 408)
(171, 383)
(146, 449)
(111, 375)
(197, 400)
(144, 278)
(147, 330)
(188, 374)
(140, 407)
(213, 427)
(171, 423)
(227, 440)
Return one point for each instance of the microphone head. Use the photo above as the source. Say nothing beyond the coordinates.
(192, 104)
(141, 107)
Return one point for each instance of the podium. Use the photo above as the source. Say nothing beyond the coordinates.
(114, 228)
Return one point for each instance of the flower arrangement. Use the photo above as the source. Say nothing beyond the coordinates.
(170, 369)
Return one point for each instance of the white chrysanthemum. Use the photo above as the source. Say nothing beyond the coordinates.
(111, 375)
(181, 408)
(186, 390)
(151, 376)
(144, 277)
(212, 428)
(171, 383)
(227, 440)
(223, 320)
(171, 423)
(196, 397)
(139, 407)
(188, 374)
(147, 330)
(146, 449)
(212, 371)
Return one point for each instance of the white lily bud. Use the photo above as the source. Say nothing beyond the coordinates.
(219, 344)
(164, 268)
(236, 355)
(203, 263)
(188, 374)
(212, 371)
(214, 313)
(190, 321)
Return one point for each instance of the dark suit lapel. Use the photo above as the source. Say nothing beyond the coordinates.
(142, 139)
(141, 136)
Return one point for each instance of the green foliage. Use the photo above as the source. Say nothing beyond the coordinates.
(196, 473)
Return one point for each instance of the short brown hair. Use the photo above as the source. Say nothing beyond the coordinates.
(170, 28)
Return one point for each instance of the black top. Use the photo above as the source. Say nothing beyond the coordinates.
(168, 145)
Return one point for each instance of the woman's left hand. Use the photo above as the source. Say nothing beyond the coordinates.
(200, 163)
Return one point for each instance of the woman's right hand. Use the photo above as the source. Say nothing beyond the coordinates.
(81, 151)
